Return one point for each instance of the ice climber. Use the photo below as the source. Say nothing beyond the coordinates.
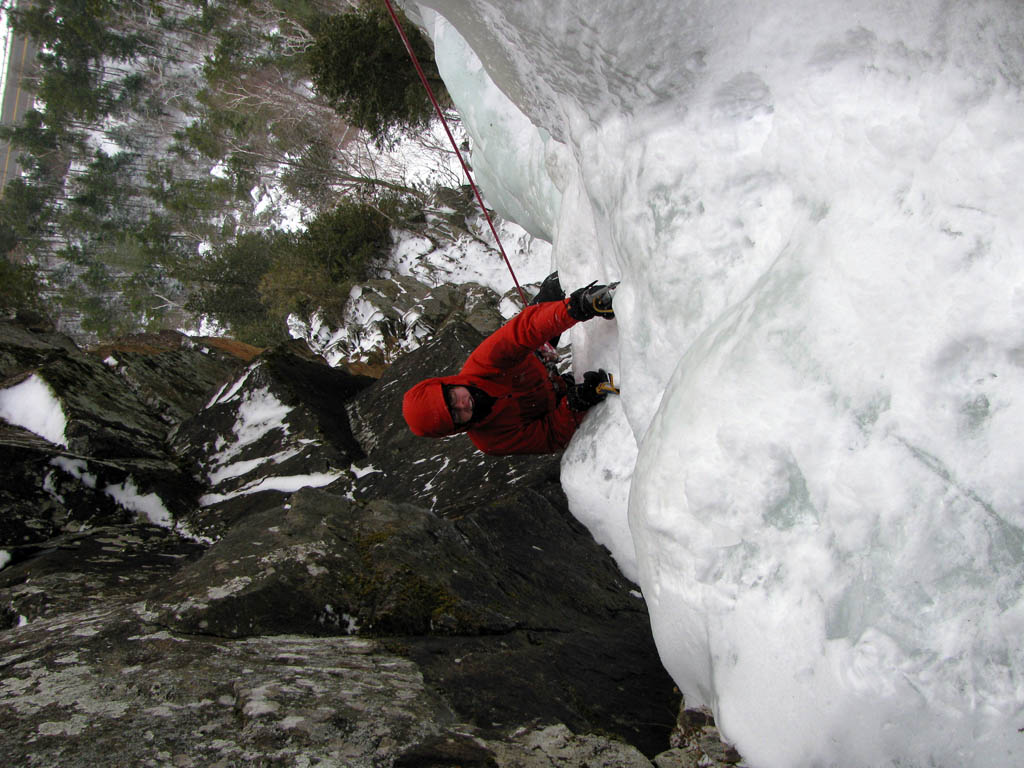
(505, 397)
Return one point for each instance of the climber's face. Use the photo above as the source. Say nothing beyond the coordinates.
(460, 404)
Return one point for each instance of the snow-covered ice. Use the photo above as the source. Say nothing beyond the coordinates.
(814, 469)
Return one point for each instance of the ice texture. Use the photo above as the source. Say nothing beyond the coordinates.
(814, 470)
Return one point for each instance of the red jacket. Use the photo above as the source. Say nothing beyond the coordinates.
(527, 416)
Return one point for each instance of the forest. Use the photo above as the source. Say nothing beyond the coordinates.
(218, 159)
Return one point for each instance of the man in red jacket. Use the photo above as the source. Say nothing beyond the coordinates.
(504, 397)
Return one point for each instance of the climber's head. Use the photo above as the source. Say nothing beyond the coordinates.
(442, 407)
(425, 409)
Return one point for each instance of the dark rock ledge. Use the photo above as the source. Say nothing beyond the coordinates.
(325, 590)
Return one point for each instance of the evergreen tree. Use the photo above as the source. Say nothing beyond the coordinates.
(348, 241)
(359, 63)
(25, 214)
(339, 248)
(20, 287)
(228, 282)
(117, 231)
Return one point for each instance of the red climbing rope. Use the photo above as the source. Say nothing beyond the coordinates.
(465, 167)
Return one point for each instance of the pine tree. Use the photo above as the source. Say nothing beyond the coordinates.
(228, 283)
(359, 63)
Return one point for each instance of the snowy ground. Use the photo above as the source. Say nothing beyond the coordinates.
(814, 470)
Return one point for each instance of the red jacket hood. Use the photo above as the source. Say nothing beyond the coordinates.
(426, 411)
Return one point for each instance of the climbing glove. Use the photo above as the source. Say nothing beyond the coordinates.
(592, 300)
(592, 390)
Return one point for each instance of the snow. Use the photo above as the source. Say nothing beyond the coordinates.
(149, 505)
(31, 404)
(230, 390)
(421, 161)
(285, 484)
(239, 468)
(5, 558)
(358, 472)
(813, 471)
(259, 414)
(271, 202)
(76, 468)
(475, 259)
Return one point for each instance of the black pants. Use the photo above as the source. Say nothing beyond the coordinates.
(550, 290)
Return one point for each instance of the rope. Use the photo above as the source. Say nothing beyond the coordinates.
(447, 130)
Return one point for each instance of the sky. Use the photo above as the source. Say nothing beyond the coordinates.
(814, 469)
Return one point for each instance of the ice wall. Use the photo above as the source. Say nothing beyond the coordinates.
(814, 211)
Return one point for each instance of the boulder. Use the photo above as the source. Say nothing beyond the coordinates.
(112, 461)
(45, 491)
(104, 687)
(101, 686)
(27, 342)
(256, 562)
(167, 375)
(471, 599)
(279, 426)
(99, 566)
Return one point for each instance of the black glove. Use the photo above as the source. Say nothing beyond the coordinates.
(595, 388)
(592, 300)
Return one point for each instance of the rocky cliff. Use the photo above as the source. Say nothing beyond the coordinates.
(239, 556)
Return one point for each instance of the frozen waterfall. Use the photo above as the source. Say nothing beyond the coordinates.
(814, 470)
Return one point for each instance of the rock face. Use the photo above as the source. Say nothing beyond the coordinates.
(322, 588)
(119, 413)
(280, 425)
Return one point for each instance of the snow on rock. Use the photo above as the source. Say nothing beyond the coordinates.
(77, 468)
(149, 505)
(385, 318)
(277, 427)
(287, 484)
(32, 404)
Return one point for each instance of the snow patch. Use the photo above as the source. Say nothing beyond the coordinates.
(31, 404)
(287, 484)
(148, 504)
(76, 468)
